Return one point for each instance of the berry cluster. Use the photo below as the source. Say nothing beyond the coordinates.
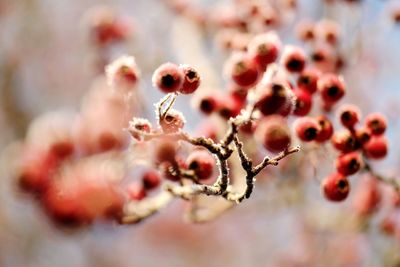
(354, 144)
(275, 96)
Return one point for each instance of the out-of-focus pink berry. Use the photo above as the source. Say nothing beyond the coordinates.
(243, 71)
(273, 133)
(202, 163)
(264, 49)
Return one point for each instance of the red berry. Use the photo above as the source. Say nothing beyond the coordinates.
(331, 87)
(326, 129)
(344, 141)
(303, 102)
(307, 129)
(308, 80)
(202, 163)
(123, 72)
(273, 133)
(376, 147)
(336, 187)
(275, 98)
(207, 103)
(243, 71)
(168, 77)
(349, 115)
(151, 179)
(191, 80)
(230, 107)
(376, 123)
(293, 59)
(237, 92)
(348, 164)
(264, 49)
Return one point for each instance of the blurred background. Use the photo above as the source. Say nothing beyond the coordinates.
(48, 62)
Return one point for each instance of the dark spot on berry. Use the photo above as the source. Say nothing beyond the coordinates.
(168, 80)
(206, 106)
(317, 57)
(346, 116)
(304, 80)
(333, 91)
(295, 65)
(194, 165)
(354, 164)
(191, 75)
(310, 133)
(342, 185)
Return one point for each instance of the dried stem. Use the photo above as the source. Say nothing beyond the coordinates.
(221, 151)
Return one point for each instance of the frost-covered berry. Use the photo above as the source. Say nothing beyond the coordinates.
(242, 70)
(191, 80)
(274, 98)
(173, 121)
(139, 126)
(264, 49)
(123, 73)
(168, 77)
